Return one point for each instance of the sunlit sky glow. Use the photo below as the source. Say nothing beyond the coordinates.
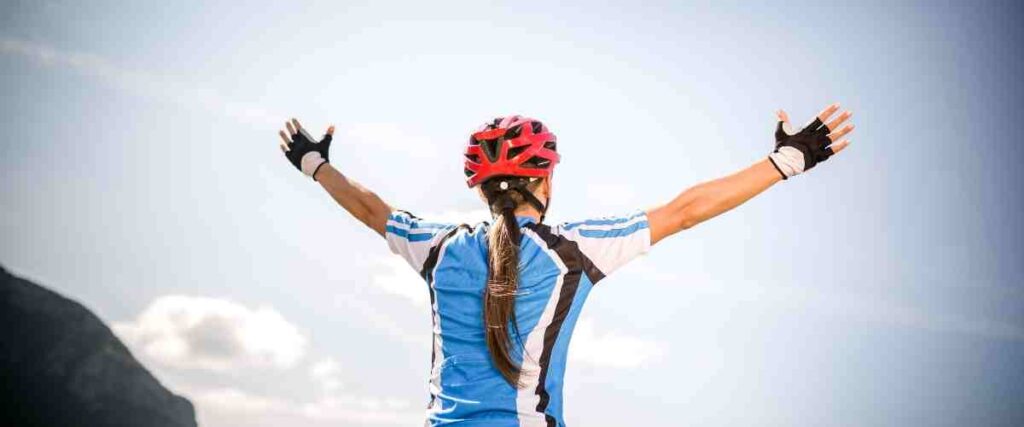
(141, 176)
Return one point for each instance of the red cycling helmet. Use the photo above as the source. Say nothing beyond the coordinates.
(510, 146)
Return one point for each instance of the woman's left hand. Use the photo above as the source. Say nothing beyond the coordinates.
(304, 152)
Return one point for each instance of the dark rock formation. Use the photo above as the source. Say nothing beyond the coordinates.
(61, 366)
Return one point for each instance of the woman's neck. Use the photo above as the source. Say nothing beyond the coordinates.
(528, 211)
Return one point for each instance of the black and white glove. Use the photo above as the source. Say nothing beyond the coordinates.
(305, 153)
(798, 152)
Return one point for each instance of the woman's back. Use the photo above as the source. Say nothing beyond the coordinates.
(505, 297)
(557, 268)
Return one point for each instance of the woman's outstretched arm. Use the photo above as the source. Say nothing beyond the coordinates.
(363, 204)
(794, 153)
(709, 199)
(311, 157)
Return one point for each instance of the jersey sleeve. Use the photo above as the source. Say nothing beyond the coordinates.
(610, 242)
(413, 238)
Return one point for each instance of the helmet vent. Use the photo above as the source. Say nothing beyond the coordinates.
(536, 163)
(509, 147)
(514, 132)
(515, 151)
(490, 148)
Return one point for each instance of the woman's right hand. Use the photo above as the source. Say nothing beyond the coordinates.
(798, 152)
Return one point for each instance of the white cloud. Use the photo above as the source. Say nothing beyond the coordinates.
(202, 334)
(363, 410)
(612, 349)
(235, 400)
(327, 373)
(232, 406)
(212, 334)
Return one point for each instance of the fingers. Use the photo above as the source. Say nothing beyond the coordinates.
(783, 117)
(828, 112)
(302, 130)
(785, 128)
(834, 124)
(839, 146)
(294, 128)
(287, 141)
(839, 134)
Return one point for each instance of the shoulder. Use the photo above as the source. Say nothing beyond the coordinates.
(608, 241)
(416, 239)
(405, 224)
(604, 226)
(565, 250)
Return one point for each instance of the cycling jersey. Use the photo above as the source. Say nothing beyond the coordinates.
(558, 267)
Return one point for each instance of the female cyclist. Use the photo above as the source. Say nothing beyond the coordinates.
(505, 295)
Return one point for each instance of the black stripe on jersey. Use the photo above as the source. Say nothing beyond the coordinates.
(567, 249)
(576, 264)
(435, 253)
(428, 274)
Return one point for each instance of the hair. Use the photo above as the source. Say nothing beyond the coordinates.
(503, 283)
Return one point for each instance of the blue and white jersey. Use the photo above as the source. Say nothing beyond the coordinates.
(558, 267)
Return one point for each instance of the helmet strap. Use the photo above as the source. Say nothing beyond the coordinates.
(494, 191)
(533, 201)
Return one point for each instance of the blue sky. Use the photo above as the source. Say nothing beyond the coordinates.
(141, 176)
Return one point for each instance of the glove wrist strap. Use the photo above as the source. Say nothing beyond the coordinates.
(310, 162)
(788, 161)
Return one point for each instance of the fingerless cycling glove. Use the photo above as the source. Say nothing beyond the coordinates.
(799, 152)
(307, 154)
